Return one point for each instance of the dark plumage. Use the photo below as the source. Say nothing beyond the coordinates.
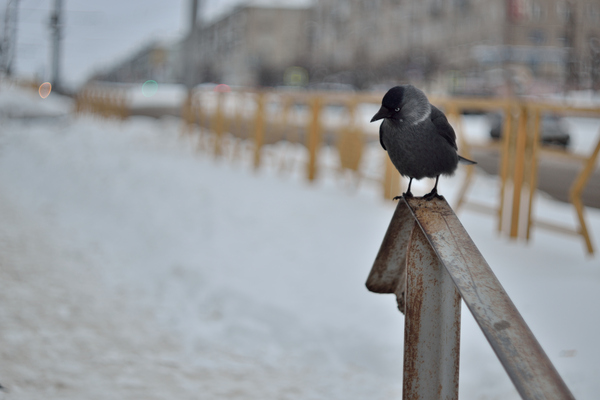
(417, 136)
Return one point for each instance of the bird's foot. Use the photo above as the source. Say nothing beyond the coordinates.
(405, 195)
(433, 195)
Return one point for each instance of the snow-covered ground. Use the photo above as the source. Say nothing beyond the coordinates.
(133, 266)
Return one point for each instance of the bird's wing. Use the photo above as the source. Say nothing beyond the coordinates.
(443, 127)
(381, 136)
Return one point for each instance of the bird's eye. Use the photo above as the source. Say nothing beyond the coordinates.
(397, 109)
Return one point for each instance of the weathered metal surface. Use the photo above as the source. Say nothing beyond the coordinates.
(525, 361)
(432, 325)
(388, 274)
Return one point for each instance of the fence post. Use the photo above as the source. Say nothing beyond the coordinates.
(432, 325)
(350, 141)
(536, 116)
(519, 171)
(391, 180)
(575, 195)
(219, 124)
(314, 137)
(505, 159)
(259, 128)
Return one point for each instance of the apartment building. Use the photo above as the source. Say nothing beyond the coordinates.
(253, 45)
(368, 42)
(553, 41)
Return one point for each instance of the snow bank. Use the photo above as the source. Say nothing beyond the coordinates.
(18, 103)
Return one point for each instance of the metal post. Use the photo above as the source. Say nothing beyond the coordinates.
(391, 180)
(439, 250)
(8, 44)
(507, 154)
(189, 43)
(56, 26)
(314, 137)
(520, 353)
(432, 326)
(219, 125)
(519, 171)
(388, 274)
(575, 195)
(536, 115)
(259, 128)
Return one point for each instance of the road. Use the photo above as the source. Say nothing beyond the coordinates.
(555, 175)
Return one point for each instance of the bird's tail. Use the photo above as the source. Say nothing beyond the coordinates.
(466, 161)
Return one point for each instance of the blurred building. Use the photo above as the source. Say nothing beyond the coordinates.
(159, 61)
(466, 46)
(382, 40)
(555, 39)
(253, 45)
(371, 41)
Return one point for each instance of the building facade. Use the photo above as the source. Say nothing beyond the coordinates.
(391, 40)
(462, 46)
(158, 61)
(253, 45)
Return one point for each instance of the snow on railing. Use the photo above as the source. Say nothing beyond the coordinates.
(430, 262)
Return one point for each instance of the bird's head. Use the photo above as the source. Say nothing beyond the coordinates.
(404, 103)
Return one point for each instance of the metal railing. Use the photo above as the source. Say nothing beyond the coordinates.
(520, 154)
(107, 102)
(429, 262)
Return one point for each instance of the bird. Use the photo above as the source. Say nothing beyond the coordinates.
(417, 137)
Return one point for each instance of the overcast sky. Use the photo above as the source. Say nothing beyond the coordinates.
(97, 33)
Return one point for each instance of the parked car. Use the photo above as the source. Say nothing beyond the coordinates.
(554, 130)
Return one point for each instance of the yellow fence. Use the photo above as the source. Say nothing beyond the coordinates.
(296, 117)
(107, 102)
(338, 119)
(520, 155)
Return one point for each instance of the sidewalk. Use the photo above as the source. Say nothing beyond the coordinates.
(65, 337)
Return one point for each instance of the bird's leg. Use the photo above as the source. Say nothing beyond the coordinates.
(407, 193)
(433, 193)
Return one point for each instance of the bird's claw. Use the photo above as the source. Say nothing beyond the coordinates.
(404, 195)
(433, 195)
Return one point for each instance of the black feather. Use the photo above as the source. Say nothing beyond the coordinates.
(380, 136)
(443, 127)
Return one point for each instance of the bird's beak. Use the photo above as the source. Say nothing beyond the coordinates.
(382, 113)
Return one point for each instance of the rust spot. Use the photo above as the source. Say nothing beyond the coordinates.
(502, 325)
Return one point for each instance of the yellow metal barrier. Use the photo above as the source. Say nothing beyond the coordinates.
(520, 154)
(266, 117)
(106, 102)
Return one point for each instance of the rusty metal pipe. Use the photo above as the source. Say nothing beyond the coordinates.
(523, 358)
(432, 327)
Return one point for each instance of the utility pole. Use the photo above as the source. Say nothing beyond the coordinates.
(56, 25)
(188, 58)
(189, 50)
(8, 46)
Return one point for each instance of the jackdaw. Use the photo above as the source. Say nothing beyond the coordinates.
(417, 136)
